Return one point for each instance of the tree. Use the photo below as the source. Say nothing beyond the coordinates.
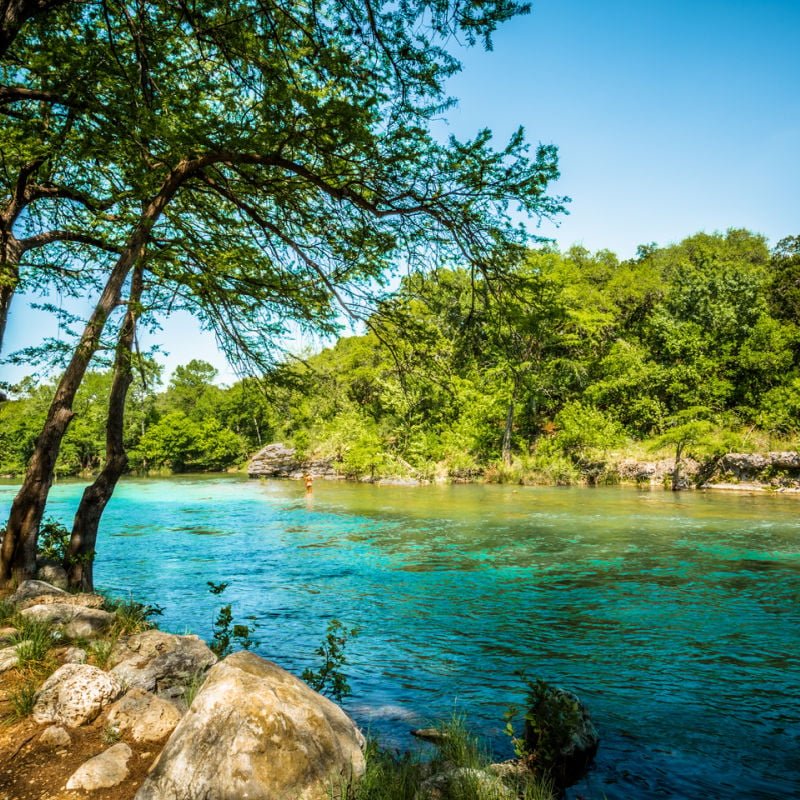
(282, 165)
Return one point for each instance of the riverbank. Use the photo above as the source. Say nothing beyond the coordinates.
(777, 471)
(95, 700)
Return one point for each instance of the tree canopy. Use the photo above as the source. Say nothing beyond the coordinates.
(271, 160)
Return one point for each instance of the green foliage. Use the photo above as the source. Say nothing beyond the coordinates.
(131, 616)
(551, 716)
(193, 687)
(23, 699)
(100, 651)
(34, 639)
(53, 540)
(226, 632)
(329, 679)
(7, 610)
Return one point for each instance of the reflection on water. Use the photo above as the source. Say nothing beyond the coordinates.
(674, 615)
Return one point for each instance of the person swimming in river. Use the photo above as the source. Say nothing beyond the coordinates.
(309, 481)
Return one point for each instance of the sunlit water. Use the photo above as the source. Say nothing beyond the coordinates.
(676, 617)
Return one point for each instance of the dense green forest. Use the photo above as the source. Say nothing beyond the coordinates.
(577, 358)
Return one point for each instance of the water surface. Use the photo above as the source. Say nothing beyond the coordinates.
(674, 616)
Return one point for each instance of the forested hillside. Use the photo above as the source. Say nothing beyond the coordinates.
(574, 357)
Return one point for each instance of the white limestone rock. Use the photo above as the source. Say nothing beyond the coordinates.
(256, 731)
(108, 769)
(74, 695)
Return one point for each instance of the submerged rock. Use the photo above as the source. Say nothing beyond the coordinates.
(155, 661)
(256, 731)
(74, 695)
(102, 772)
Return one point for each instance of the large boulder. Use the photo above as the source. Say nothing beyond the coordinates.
(278, 461)
(256, 731)
(77, 622)
(143, 716)
(155, 661)
(108, 769)
(28, 589)
(74, 695)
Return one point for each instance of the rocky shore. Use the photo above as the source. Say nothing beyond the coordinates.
(772, 471)
(115, 712)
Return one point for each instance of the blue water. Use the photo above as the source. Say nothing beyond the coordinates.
(676, 617)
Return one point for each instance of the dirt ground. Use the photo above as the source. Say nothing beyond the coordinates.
(29, 771)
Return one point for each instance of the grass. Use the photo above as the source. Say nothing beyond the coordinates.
(34, 639)
(131, 616)
(23, 699)
(100, 652)
(461, 762)
(193, 687)
(7, 611)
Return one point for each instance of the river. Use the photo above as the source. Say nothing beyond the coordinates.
(675, 617)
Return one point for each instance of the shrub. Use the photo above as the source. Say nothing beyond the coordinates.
(330, 679)
(53, 541)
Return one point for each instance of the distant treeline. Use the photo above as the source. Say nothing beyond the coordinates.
(574, 357)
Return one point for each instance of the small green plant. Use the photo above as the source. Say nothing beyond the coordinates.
(131, 615)
(226, 631)
(329, 679)
(53, 540)
(100, 652)
(7, 611)
(34, 639)
(551, 718)
(457, 746)
(22, 699)
(111, 735)
(193, 687)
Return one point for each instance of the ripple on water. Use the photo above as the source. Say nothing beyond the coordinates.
(675, 618)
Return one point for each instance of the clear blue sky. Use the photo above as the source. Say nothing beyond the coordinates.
(670, 118)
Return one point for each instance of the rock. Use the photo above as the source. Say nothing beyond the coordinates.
(278, 461)
(572, 742)
(9, 657)
(54, 574)
(256, 731)
(464, 782)
(76, 621)
(55, 736)
(28, 589)
(6, 635)
(145, 717)
(102, 772)
(160, 662)
(74, 655)
(74, 695)
(85, 600)
(430, 734)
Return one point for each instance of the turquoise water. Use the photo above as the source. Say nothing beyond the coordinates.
(676, 617)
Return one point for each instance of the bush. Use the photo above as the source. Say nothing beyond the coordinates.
(53, 541)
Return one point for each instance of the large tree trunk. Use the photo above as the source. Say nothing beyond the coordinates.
(80, 554)
(18, 553)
